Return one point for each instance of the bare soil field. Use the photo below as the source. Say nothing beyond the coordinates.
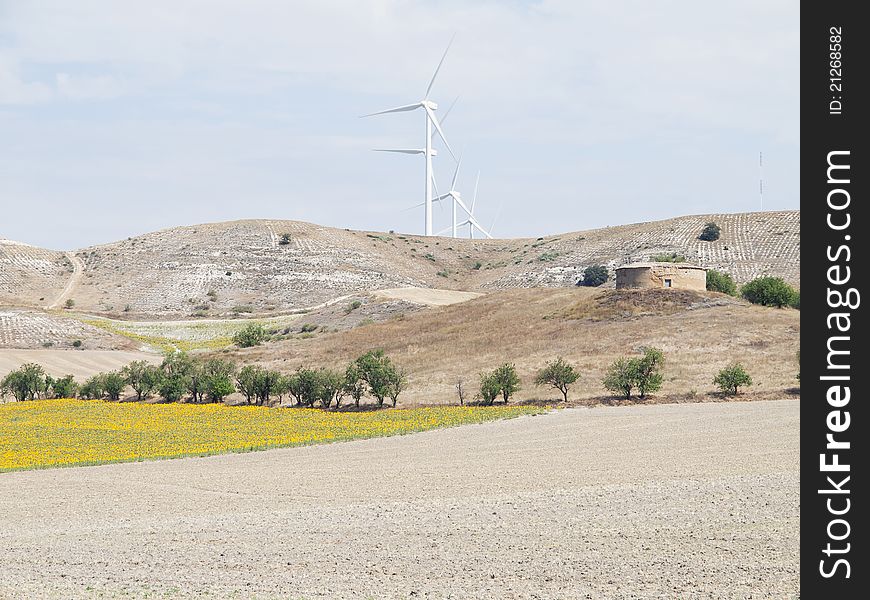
(215, 269)
(689, 501)
(80, 363)
(700, 333)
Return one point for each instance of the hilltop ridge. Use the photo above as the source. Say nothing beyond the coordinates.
(243, 266)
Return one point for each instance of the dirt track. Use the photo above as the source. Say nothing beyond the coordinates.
(664, 501)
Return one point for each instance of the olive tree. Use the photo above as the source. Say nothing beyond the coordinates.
(558, 374)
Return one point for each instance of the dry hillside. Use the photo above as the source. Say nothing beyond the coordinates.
(699, 332)
(214, 269)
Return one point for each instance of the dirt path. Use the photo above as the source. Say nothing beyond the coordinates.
(665, 501)
(427, 296)
(78, 269)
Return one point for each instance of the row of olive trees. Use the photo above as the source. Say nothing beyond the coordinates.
(181, 376)
(625, 376)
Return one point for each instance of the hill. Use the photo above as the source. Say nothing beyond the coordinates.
(242, 267)
(700, 333)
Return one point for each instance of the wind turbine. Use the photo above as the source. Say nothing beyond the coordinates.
(429, 107)
(471, 221)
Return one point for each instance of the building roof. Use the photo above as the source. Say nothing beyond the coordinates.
(647, 265)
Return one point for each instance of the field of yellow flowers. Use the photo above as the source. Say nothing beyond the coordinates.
(49, 433)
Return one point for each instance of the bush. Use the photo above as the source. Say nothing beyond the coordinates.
(710, 233)
(721, 282)
(331, 388)
(558, 374)
(594, 276)
(113, 384)
(673, 257)
(28, 382)
(285, 239)
(489, 387)
(354, 386)
(620, 377)
(144, 378)
(92, 388)
(642, 373)
(217, 379)
(504, 380)
(796, 300)
(732, 377)
(352, 307)
(252, 334)
(65, 387)
(69, 303)
(246, 382)
(769, 291)
(648, 371)
(379, 374)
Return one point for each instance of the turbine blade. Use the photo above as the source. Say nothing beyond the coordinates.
(392, 110)
(400, 150)
(447, 112)
(439, 130)
(459, 201)
(443, 231)
(497, 214)
(479, 228)
(474, 198)
(438, 68)
(456, 173)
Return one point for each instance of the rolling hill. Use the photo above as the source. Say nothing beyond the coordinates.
(243, 267)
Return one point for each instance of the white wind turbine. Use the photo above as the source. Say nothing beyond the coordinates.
(471, 221)
(429, 108)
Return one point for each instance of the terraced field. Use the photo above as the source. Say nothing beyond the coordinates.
(241, 267)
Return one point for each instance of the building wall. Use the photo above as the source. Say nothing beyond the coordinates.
(683, 278)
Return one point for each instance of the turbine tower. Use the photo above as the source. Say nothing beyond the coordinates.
(429, 107)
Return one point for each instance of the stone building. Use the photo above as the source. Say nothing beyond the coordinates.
(682, 276)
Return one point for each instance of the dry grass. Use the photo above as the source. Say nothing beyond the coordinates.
(699, 333)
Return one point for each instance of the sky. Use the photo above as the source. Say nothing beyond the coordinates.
(121, 118)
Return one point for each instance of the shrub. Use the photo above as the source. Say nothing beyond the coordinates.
(331, 387)
(77, 343)
(710, 233)
(285, 239)
(217, 379)
(721, 282)
(113, 385)
(305, 386)
(246, 382)
(558, 374)
(65, 387)
(489, 387)
(673, 257)
(308, 328)
(620, 377)
(508, 380)
(92, 388)
(398, 381)
(28, 382)
(379, 373)
(594, 276)
(144, 378)
(352, 307)
(69, 303)
(354, 386)
(642, 373)
(250, 335)
(796, 300)
(648, 371)
(172, 388)
(769, 291)
(732, 377)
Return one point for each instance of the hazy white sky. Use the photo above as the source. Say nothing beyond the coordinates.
(120, 118)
